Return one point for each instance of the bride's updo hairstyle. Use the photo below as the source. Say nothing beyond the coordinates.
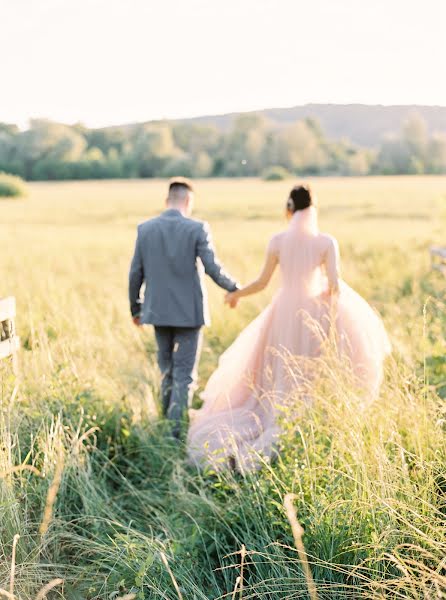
(300, 198)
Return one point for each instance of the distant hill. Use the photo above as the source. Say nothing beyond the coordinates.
(363, 124)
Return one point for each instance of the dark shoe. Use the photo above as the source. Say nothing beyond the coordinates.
(176, 433)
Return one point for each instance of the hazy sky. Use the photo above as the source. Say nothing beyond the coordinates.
(115, 61)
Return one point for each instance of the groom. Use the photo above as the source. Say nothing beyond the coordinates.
(165, 259)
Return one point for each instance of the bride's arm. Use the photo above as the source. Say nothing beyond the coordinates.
(332, 261)
(258, 284)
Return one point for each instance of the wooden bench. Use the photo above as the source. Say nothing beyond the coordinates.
(438, 258)
(9, 342)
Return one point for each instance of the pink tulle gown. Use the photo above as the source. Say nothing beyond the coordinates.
(237, 423)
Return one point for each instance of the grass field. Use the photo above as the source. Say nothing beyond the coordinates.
(371, 484)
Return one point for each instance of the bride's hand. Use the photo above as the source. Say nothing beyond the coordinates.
(231, 298)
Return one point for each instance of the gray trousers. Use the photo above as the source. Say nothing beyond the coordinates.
(178, 356)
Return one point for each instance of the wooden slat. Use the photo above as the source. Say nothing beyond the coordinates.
(9, 347)
(7, 308)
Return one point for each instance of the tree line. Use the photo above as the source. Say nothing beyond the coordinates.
(251, 147)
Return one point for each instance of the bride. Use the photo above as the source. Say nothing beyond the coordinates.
(237, 423)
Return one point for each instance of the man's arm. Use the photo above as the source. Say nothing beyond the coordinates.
(206, 253)
(136, 278)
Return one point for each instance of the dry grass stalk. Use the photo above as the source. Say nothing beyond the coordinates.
(52, 494)
(242, 564)
(84, 437)
(172, 576)
(48, 587)
(7, 594)
(237, 582)
(298, 532)
(15, 391)
(126, 597)
(19, 468)
(14, 547)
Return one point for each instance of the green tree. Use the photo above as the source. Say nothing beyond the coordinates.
(436, 154)
(407, 153)
(242, 149)
(45, 147)
(415, 136)
(8, 156)
(153, 148)
(300, 148)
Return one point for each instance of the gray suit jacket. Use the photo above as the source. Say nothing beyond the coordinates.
(165, 259)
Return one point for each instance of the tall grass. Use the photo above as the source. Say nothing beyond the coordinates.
(100, 497)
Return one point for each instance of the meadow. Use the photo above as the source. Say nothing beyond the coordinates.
(130, 518)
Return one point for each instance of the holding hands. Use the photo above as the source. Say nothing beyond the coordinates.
(232, 298)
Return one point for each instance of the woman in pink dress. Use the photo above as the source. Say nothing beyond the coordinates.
(238, 423)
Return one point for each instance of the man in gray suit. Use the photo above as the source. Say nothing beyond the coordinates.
(165, 259)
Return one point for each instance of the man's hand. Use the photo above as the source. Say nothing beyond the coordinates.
(137, 321)
(231, 299)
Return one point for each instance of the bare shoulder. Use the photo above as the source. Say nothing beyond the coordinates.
(277, 237)
(328, 241)
(275, 242)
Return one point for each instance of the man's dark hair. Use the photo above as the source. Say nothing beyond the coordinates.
(180, 184)
(300, 198)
